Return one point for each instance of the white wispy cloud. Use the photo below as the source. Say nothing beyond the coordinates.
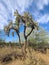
(40, 17)
(1, 26)
(41, 3)
(44, 19)
(7, 8)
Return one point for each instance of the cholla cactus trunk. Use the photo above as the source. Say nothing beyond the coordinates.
(26, 43)
(19, 37)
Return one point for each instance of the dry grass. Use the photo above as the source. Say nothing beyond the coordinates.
(32, 58)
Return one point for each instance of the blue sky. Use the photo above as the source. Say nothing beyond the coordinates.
(38, 8)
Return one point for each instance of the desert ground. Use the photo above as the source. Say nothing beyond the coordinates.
(13, 56)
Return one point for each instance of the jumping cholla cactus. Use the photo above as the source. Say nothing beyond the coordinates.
(27, 20)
